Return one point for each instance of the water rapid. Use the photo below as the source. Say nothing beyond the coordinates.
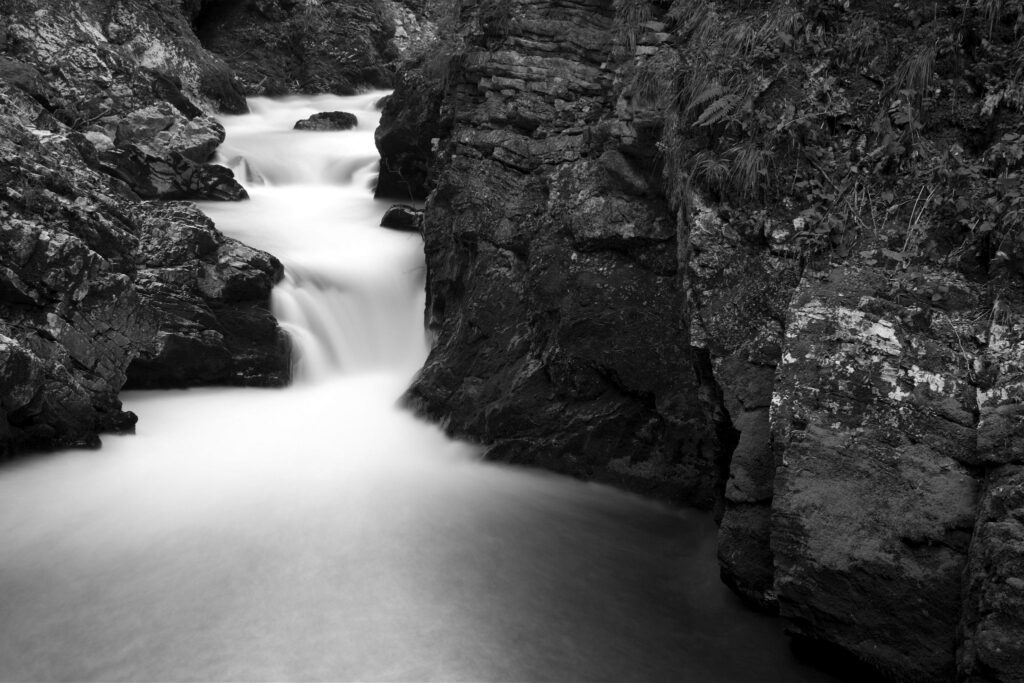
(319, 532)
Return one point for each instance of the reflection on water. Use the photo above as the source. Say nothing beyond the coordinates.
(319, 533)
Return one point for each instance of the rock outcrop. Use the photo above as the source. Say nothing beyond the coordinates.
(101, 108)
(402, 217)
(554, 285)
(410, 126)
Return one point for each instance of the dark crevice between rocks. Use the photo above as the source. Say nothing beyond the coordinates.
(211, 14)
(835, 661)
(727, 435)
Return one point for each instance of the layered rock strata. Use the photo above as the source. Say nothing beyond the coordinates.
(554, 286)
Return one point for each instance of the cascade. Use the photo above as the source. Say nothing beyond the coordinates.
(319, 532)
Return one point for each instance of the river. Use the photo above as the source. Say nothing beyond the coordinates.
(319, 532)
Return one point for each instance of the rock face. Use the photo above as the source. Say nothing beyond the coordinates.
(554, 285)
(97, 287)
(279, 47)
(410, 124)
(682, 249)
(328, 120)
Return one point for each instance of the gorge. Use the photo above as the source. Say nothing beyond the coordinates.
(756, 258)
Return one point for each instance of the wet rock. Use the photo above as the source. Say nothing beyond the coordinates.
(402, 217)
(328, 120)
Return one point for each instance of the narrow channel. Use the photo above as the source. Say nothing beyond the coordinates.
(319, 532)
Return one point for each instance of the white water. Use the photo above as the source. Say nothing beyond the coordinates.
(318, 532)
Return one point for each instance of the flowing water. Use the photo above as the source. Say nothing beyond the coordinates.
(320, 533)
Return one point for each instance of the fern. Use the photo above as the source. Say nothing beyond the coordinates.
(708, 92)
(721, 109)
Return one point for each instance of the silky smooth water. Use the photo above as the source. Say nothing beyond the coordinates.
(320, 533)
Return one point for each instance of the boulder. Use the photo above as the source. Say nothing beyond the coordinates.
(875, 495)
(328, 120)
(403, 217)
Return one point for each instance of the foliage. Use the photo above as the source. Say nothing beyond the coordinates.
(897, 132)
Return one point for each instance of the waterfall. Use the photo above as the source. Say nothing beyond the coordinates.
(318, 532)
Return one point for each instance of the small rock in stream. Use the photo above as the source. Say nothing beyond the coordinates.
(328, 120)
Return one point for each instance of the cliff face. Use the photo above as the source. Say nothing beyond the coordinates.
(101, 108)
(769, 251)
(554, 285)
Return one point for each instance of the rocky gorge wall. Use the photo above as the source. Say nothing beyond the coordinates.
(760, 257)
(554, 285)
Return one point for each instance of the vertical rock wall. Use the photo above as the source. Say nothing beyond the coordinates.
(554, 288)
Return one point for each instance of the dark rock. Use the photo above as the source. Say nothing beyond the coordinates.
(402, 217)
(328, 120)
(279, 47)
(993, 617)
(874, 502)
(410, 121)
(553, 288)
(210, 297)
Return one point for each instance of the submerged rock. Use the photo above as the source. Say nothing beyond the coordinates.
(328, 120)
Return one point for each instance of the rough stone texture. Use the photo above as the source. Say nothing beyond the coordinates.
(739, 294)
(280, 47)
(210, 297)
(402, 217)
(100, 57)
(553, 282)
(410, 125)
(328, 120)
(873, 428)
(992, 647)
(91, 278)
